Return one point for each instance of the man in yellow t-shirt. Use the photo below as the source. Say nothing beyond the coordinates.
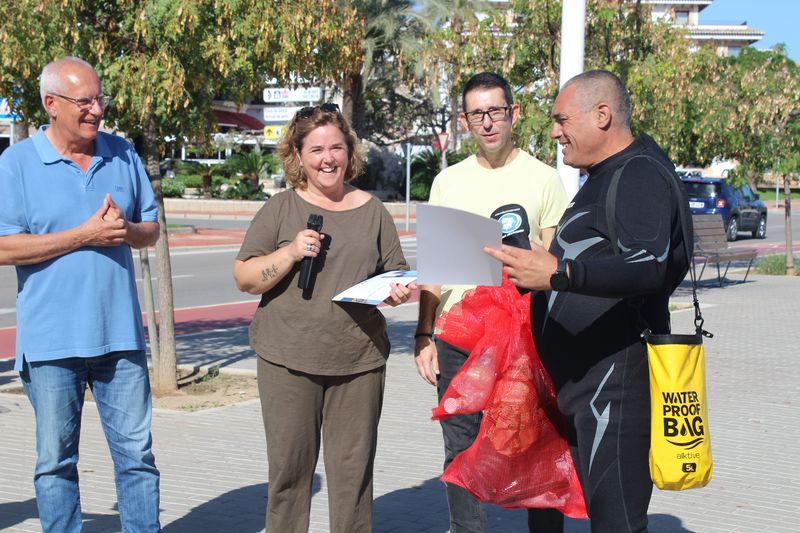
(527, 197)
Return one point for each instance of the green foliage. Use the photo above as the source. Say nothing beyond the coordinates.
(194, 181)
(766, 88)
(172, 188)
(424, 168)
(243, 189)
(252, 165)
(774, 265)
(165, 60)
(383, 169)
(768, 194)
(185, 168)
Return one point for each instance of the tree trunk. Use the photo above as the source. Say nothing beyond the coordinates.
(787, 205)
(207, 180)
(150, 308)
(165, 378)
(20, 131)
(353, 103)
(454, 121)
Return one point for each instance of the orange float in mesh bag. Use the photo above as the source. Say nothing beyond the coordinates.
(520, 458)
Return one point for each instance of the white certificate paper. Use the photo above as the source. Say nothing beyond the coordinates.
(450, 247)
(375, 290)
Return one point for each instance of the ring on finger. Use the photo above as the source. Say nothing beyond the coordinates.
(309, 247)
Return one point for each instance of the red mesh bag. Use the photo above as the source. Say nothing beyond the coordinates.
(519, 458)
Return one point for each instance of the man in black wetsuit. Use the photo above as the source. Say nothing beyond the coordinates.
(592, 304)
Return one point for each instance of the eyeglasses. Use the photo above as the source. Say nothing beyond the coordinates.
(495, 113)
(308, 112)
(86, 103)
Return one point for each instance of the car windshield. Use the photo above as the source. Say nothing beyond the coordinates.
(701, 189)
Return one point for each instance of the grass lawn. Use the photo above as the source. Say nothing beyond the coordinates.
(768, 195)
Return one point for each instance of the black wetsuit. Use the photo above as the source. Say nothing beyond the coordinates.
(589, 336)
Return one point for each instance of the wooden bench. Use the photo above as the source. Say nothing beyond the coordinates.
(711, 244)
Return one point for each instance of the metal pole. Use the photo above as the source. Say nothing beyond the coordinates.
(573, 22)
(408, 184)
(13, 132)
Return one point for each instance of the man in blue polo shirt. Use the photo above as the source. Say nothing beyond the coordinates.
(73, 202)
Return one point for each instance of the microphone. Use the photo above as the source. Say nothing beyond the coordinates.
(303, 282)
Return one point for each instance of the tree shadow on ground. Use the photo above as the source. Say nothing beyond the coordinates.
(424, 508)
(223, 347)
(665, 523)
(401, 335)
(241, 510)
(14, 513)
(7, 373)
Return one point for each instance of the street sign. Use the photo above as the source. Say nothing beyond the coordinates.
(443, 137)
(5, 111)
(273, 133)
(283, 94)
(281, 115)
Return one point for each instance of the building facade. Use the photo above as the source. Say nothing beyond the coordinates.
(727, 39)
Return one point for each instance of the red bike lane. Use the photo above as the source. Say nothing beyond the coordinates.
(188, 320)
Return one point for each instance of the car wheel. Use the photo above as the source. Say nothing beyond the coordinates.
(761, 229)
(732, 231)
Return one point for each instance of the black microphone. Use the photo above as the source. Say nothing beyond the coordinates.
(315, 223)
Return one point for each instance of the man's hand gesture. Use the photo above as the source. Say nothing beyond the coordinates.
(106, 227)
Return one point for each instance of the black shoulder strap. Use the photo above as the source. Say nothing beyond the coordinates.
(683, 216)
(611, 207)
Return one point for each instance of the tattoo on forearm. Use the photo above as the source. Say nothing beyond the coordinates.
(269, 273)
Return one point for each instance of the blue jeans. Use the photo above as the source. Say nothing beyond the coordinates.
(121, 389)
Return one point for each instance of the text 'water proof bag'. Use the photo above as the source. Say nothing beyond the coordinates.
(520, 457)
(680, 446)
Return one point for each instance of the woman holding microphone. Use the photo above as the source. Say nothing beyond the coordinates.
(321, 364)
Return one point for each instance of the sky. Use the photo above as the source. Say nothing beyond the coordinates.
(778, 19)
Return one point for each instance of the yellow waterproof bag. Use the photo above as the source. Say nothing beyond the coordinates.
(680, 449)
(680, 446)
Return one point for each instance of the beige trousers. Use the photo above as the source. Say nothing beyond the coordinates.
(302, 410)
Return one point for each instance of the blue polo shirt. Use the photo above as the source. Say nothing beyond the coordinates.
(83, 303)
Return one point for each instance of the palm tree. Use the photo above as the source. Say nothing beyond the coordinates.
(394, 30)
(252, 166)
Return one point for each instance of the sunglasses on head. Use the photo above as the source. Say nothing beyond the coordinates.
(308, 112)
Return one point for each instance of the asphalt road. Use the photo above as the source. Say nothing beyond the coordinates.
(239, 222)
(202, 276)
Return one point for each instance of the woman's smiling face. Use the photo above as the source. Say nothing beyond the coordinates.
(324, 158)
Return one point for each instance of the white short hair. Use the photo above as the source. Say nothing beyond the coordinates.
(50, 79)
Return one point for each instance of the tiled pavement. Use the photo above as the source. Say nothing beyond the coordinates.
(214, 469)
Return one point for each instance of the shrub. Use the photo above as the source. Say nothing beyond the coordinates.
(194, 181)
(243, 189)
(383, 169)
(172, 188)
(186, 167)
(425, 166)
(776, 265)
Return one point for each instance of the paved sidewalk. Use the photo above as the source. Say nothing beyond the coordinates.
(214, 471)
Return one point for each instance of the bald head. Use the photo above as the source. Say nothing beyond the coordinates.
(57, 75)
(595, 86)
